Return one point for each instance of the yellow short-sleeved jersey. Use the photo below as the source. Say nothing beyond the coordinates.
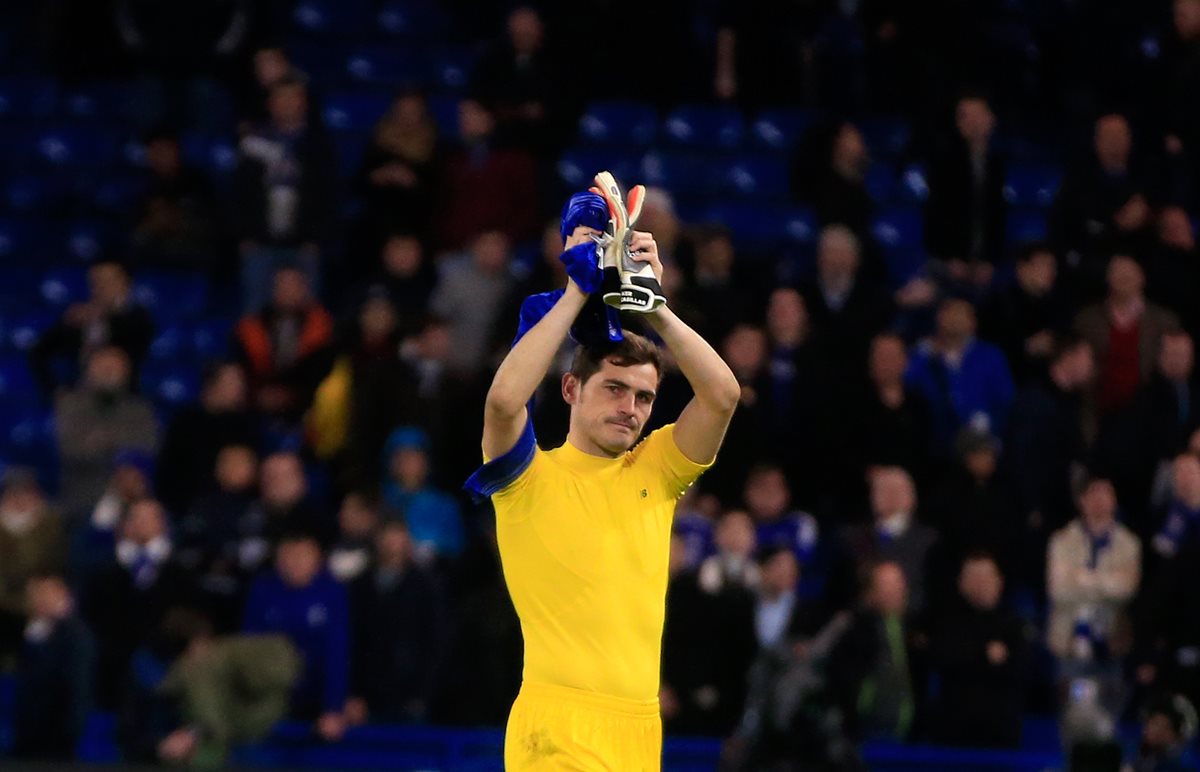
(584, 542)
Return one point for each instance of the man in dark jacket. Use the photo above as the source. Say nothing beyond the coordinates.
(980, 651)
(400, 618)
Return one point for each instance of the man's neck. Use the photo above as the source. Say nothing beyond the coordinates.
(580, 442)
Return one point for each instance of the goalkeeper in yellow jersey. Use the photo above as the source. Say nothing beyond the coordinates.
(584, 529)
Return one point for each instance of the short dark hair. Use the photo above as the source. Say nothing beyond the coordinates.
(633, 350)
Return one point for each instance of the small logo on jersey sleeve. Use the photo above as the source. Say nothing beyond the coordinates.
(644, 493)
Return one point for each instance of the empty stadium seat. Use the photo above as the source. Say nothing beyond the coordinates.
(209, 339)
(18, 290)
(32, 194)
(216, 154)
(681, 172)
(577, 166)
(899, 229)
(881, 183)
(1032, 184)
(758, 177)
(331, 17)
(387, 66)
(449, 69)
(170, 385)
(780, 128)
(23, 329)
(886, 137)
(171, 342)
(63, 286)
(1026, 224)
(705, 126)
(913, 184)
(18, 238)
(414, 19)
(112, 194)
(27, 97)
(628, 124)
(16, 380)
(95, 102)
(71, 145)
(172, 295)
(350, 148)
(87, 240)
(755, 226)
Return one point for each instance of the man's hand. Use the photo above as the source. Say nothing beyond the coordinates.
(643, 247)
(178, 746)
(581, 235)
(997, 652)
(331, 726)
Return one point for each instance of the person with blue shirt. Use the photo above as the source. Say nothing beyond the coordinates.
(966, 381)
(434, 517)
(302, 601)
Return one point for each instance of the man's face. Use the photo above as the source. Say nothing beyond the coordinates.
(735, 534)
(356, 519)
(1187, 19)
(767, 494)
(849, 150)
(956, 319)
(402, 256)
(1125, 277)
(525, 30)
(892, 493)
(270, 64)
(21, 498)
(410, 466)
(981, 464)
(715, 256)
(108, 370)
(1037, 274)
(283, 482)
(227, 390)
(490, 252)
(889, 359)
(474, 121)
(1079, 365)
(980, 584)
(288, 104)
(745, 351)
(144, 523)
(377, 318)
(612, 407)
(786, 315)
(1185, 477)
(162, 157)
(290, 292)
(1113, 141)
(975, 120)
(298, 562)
(393, 545)
(108, 284)
(781, 572)
(1176, 355)
(1098, 506)
(237, 468)
(47, 597)
(889, 589)
(837, 257)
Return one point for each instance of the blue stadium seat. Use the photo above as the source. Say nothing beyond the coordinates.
(27, 437)
(216, 154)
(1032, 184)
(758, 177)
(87, 240)
(63, 286)
(415, 19)
(16, 380)
(172, 296)
(683, 173)
(387, 67)
(331, 17)
(881, 183)
(578, 166)
(356, 110)
(905, 264)
(705, 126)
(886, 137)
(24, 329)
(76, 146)
(18, 292)
(27, 97)
(450, 69)
(171, 342)
(899, 229)
(170, 385)
(112, 194)
(629, 124)
(33, 194)
(444, 109)
(20, 238)
(350, 148)
(781, 128)
(95, 102)
(757, 227)
(913, 184)
(1026, 224)
(209, 339)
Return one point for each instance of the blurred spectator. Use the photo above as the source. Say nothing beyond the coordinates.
(484, 187)
(708, 641)
(286, 348)
(777, 524)
(95, 421)
(408, 276)
(283, 507)
(973, 508)
(745, 351)
(399, 166)
(1172, 264)
(675, 244)
(1182, 77)
(1168, 727)
(764, 51)
(125, 603)
(780, 616)
(828, 174)
(54, 674)
(845, 309)
(1093, 570)
(716, 298)
(694, 523)
(209, 535)
(871, 667)
(434, 517)
(110, 317)
(965, 381)
(1101, 204)
(358, 522)
(228, 689)
(284, 193)
(299, 600)
(1181, 527)
(518, 79)
(966, 211)
(269, 66)
(401, 623)
(980, 652)
(733, 564)
(894, 535)
(31, 544)
(91, 547)
(175, 222)
(1024, 318)
(196, 434)
(1124, 332)
(472, 289)
(892, 426)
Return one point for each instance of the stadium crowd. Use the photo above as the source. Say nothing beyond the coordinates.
(962, 484)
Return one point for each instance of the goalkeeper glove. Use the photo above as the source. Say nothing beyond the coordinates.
(628, 283)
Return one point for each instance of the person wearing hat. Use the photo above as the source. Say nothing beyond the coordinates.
(434, 517)
(31, 542)
(1169, 725)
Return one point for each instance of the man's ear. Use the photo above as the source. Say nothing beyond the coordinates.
(571, 387)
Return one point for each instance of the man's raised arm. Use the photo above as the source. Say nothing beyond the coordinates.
(504, 413)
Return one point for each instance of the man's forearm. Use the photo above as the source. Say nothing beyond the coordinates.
(526, 365)
(711, 379)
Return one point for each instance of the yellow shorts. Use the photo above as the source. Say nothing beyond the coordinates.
(560, 728)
